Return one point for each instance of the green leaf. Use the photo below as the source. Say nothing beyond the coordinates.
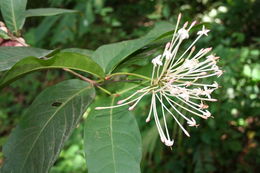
(36, 142)
(112, 140)
(47, 12)
(4, 35)
(13, 12)
(86, 52)
(109, 56)
(11, 55)
(62, 60)
(43, 29)
(256, 72)
(252, 71)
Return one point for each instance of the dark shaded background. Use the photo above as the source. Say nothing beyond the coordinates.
(227, 143)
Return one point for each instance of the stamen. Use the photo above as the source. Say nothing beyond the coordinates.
(137, 101)
(192, 24)
(158, 124)
(192, 44)
(116, 106)
(176, 28)
(138, 91)
(183, 129)
(202, 116)
(185, 24)
(164, 119)
(187, 119)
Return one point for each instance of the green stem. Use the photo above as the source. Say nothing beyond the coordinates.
(130, 74)
(104, 90)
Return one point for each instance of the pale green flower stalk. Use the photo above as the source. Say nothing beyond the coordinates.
(175, 79)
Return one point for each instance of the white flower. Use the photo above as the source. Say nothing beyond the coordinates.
(169, 143)
(185, 96)
(207, 114)
(203, 106)
(219, 73)
(187, 84)
(192, 122)
(215, 84)
(204, 31)
(175, 86)
(174, 91)
(207, 91)
(183, 34)
(190, 63)
(157, 61)
(167, 52)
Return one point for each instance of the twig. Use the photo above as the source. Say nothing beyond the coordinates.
(88, 80)
(80, 76)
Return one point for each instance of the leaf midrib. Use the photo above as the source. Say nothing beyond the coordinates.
(70, 98)
(13, 15)
(111, 134)
(3, 81)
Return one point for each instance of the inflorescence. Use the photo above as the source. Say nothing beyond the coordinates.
(175, 83)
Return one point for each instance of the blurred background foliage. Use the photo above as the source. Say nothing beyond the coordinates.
(227, 143)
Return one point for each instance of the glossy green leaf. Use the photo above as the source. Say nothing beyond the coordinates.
(13, 12)
(36, 142)
(108, 56)
(62, 60)
(112, 140)
(11, 55)
(47, 12)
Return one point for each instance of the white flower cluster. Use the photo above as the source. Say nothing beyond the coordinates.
(175, 83)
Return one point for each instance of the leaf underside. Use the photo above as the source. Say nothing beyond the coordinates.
(11, 55)
(62, 60)
(35, 143)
